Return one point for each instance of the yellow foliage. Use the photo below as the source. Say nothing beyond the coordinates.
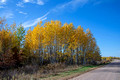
(55, 40)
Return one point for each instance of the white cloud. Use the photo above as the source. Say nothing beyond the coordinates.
(75, 3)
(22, 13)
(7, 14)
(2, 2)
(26, 1)
(20, 4)
(35, 21)
(71, 4)
(40, 2)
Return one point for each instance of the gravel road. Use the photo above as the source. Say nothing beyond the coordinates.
(108, 72)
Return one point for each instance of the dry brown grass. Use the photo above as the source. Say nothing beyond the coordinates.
(49, 72)
(34, 72)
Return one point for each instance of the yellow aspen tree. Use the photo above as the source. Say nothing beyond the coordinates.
(78, 41)
(0, 46)
(37, 40)
(67, 33)
(51, 34)
(87, 43)
(97, 54)
(5, 38)
(28, 41)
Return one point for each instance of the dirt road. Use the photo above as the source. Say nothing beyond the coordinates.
(108, 72)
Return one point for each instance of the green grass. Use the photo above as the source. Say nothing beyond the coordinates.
(79, 70)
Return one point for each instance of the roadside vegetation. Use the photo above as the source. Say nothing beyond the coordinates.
(71, 73)
(109, 58)
(55, 72)
(44, 50)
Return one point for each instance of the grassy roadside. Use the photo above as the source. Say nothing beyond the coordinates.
(71, 73)
(56, 73)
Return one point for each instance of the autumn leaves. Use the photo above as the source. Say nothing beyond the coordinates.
(55, 42)
(46, 43)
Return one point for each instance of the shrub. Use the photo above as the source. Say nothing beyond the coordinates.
(7, 61)
(30, 69)
(10, 59)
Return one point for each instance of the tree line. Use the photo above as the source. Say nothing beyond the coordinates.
(47, 43)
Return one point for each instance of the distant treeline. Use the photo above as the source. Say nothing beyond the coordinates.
(47, 43)
(110, 58)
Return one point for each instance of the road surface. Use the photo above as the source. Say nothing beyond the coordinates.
(108, 72)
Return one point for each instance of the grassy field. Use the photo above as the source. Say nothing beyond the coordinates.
(58, 73)
(71, 73)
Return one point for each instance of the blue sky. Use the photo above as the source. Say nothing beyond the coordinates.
(102, 17)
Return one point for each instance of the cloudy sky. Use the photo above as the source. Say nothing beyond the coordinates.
(102, 17)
